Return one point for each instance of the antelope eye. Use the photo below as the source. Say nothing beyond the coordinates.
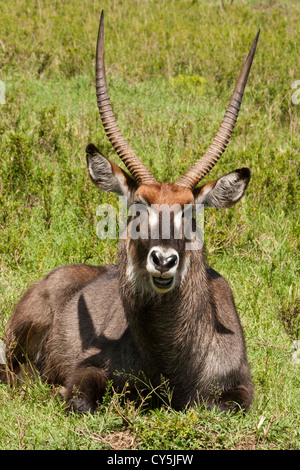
(137, 208)
(187, 212)
(138, 211)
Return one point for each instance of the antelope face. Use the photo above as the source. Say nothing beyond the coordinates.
(156, 235)
(161, 229)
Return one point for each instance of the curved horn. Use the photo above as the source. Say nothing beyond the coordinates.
(138, 170)
(197, 172)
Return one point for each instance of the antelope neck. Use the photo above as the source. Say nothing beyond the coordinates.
(165, 326)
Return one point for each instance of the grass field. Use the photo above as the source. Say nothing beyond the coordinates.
(171, 68)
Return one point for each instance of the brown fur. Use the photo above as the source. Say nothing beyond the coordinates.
(83, 325)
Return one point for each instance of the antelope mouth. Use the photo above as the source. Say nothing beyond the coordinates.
(163, 284)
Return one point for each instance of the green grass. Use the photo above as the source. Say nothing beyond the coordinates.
(171, 68)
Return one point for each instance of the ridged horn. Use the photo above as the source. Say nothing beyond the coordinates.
(197, 172)
(138, 170)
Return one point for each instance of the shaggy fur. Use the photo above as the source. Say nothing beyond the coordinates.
(83, 325)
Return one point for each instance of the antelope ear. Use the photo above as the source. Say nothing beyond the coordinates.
(106, 175)
(224, 192)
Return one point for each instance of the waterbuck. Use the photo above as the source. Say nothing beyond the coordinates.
(162, 311)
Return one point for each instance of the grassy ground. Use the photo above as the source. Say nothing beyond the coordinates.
(171, 68)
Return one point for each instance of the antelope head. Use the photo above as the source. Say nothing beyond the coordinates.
(161, 262)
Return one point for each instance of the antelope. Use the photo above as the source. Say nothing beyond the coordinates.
(161, 311)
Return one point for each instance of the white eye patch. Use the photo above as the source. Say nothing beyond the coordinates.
(165, 221)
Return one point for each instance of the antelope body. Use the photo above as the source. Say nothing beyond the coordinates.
(162, 311)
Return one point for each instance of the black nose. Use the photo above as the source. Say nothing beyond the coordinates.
(162, 263)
